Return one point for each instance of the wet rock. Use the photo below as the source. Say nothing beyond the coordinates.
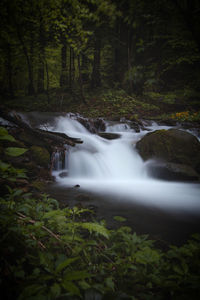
(135, 126)
(109, 136)
(172, 172)
(63, 174)
(40, 155)
(172, 146)
(92, 125)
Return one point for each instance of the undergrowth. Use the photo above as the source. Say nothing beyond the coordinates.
(53, 253)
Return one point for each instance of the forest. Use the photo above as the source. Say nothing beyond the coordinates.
(97, 60)
(65, 53)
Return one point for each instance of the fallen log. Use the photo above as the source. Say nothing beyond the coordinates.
(57, 138)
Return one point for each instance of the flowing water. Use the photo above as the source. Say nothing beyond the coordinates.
(113, 167)
(115, 176)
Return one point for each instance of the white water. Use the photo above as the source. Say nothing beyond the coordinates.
(114, 168)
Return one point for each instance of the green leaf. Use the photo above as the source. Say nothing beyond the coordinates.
(15, 151)
(30, 291)
(96, 228)
(76, 275)
(55, 290)
(71, 287)
(5, 136)
(110, 284)
(65, 264)
(4, 166)
(119, 219)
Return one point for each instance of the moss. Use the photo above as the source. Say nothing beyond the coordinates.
(171, 145)
(40, 155)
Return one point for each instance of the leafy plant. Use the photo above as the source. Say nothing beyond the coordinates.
(52, 253)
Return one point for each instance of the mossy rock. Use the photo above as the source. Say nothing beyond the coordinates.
(40, 155)
(171, 145)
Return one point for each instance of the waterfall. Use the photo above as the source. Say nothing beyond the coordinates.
(114, 168)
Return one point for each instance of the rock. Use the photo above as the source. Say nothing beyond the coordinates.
(172, 146)
(40, 155)
(109, 136)
(92, 125)
(135, 126)
(77, 186)
(172, 172)
(63, 174)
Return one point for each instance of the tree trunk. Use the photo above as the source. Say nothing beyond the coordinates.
(31, 89)
(9, 70)
(40, 80)
(47, 89)
(81, 81)
(96, 76)
(63, 76)
(84, 68)
(71, 69)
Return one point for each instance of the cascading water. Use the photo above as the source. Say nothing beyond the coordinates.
(114, 168)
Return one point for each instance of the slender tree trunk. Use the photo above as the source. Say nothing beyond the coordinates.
(47, 89)
(71, 68)
(116, 67)
(31, 89)
(96, 76)
(40, 80)
(81, 81)
(9, 70)
(63, 76)
(84, 68)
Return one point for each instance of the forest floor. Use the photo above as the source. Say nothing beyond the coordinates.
(114, 104)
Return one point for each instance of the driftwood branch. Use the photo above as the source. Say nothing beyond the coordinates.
(56, 137)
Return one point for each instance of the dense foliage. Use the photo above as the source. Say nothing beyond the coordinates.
(48, 252)
(63, 48)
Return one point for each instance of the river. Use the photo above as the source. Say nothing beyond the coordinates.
(111, 176)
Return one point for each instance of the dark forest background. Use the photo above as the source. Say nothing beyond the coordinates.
(56, 49)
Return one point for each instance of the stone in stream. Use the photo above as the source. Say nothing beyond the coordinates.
(109, 135)
(63, 174)
(179, 152)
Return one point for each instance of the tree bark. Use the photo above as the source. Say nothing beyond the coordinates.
(81, 81)
(47, 89)
(40, 79)
(96, 76)
(8, 65)
(71, 69)
(63, 76)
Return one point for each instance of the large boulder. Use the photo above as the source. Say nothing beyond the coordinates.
(174, 146)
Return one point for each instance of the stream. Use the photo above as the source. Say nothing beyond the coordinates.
(110, 176)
